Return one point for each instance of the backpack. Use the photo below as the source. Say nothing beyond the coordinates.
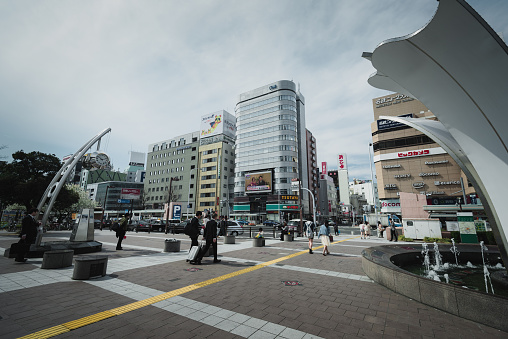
(188, 230)
(115, 227)
(310, 229)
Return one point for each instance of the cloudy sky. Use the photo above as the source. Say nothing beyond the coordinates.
(149, 69)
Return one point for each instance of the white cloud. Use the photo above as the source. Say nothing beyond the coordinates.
(150, 69)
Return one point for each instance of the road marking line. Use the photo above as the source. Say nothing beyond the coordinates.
(74, 324)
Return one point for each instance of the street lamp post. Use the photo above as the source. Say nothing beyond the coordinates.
(169, 200)
(188, 193)
(313, 203)
(372, 184)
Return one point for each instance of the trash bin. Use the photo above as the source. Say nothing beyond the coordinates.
(172, 245)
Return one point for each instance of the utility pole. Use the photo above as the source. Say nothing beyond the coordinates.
(169, 201)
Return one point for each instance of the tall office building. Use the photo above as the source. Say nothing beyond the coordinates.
(170, 163)
(215, 176)
(270, 151)
(312, 171)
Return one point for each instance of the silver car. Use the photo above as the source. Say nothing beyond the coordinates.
(234, 227)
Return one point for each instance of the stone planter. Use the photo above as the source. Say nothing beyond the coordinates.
(172, 245)
(229, 239)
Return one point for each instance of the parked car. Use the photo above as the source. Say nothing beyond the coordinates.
(271, 223)
(158, 225)
(242, 222)
(172, 223)
(143, 225)
(234, 227)
(180, 227)
(294, 225)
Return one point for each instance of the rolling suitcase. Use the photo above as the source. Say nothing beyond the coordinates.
(193, 252)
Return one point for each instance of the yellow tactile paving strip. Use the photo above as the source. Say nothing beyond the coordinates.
(91, 319)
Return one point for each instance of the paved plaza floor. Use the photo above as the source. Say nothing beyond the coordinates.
(276, 291)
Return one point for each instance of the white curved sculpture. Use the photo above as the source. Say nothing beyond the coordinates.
(458, 67)
(60, 178)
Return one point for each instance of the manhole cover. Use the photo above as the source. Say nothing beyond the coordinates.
(193, 269)
(291, 283)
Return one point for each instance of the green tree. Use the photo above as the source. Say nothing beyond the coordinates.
(83, 200)
(25, 179)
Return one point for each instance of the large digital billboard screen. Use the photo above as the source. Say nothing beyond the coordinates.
(258, 182)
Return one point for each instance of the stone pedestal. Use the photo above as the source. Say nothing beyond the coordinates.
(87, 267)
(229, 239)
(288, 237)
(57, 259)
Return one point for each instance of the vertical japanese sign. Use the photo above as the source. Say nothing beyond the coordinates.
(342, 161)
(323, 168)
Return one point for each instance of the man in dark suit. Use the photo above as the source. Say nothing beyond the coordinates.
(28, 234)
(210, 236)
(194, 224)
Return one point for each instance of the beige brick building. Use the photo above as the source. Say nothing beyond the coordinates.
(406, 160)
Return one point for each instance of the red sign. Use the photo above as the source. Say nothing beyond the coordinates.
(342, 161)
(413, 153)
(130, 193)
(323, 167)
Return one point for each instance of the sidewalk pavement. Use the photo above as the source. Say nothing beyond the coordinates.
(276, 291)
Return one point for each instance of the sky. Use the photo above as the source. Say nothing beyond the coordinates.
(150, 69)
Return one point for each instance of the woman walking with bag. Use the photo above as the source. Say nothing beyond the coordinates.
(324, 235)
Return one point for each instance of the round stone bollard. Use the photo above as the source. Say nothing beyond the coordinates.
(172, 245)
(229, 239)
(288, 237)
(258, 242)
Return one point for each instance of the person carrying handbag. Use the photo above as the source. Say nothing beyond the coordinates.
(324, 235)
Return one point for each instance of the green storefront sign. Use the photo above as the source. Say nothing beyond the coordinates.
(467, 228)
(241, 208)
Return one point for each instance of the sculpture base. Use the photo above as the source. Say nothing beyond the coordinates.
(79, 247)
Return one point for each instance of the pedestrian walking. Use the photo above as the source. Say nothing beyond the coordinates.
(222, 226)
(284, 230)
(336, 229)
(309, 230)
(194, 228)
(122, 229)
(393, 231)
(210, 236)
(28, 234)
(362, 231)
(324, 235)
(367, 229)
(380, 229)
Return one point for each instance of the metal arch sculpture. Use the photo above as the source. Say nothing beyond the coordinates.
(458, 67)
(60, 178)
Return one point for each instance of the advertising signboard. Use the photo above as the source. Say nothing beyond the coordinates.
(467, 227)
(130, 193)
(323, 168)
(388, 124)
(390, 206)
(220, 122)
(258, 182)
